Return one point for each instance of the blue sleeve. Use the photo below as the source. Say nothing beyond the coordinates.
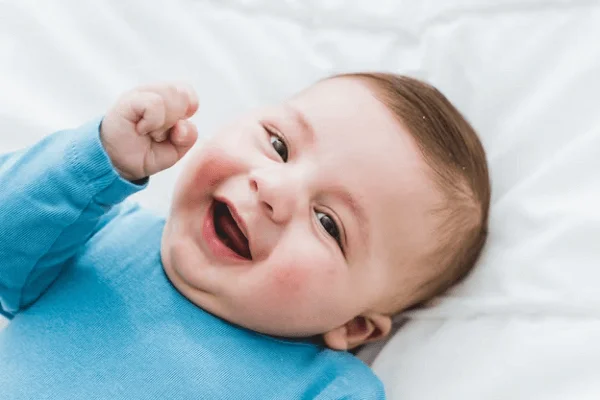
(53, 196)
(355, 384)
(349, 394)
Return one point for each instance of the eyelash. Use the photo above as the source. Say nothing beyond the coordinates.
(272, 133)
(338, 239)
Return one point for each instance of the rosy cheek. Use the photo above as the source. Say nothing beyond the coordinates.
(301, 281)
(289, 282)
(215, 166)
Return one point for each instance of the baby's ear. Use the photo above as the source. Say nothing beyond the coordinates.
(360, 330)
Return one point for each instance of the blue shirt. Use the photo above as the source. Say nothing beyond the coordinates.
(95, 317)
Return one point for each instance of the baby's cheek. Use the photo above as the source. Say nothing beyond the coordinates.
(216, 164)
(289, 282)
(299, 282)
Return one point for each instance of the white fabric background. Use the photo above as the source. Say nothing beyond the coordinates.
(526, 73)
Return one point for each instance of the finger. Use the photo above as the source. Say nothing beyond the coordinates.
(184, 135)
(165, 154)
(193, 102)
(150, 111)
(159, 135)
(162, 156)
(186, 103)
(180, 99)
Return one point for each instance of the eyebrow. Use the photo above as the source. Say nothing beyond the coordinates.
(300, 119)
(358, 211)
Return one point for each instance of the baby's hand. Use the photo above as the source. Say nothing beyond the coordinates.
(147, 130)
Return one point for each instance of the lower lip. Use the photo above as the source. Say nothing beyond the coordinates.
(218, 249)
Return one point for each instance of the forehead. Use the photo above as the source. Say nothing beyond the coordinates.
(344, 112)
(362, 146)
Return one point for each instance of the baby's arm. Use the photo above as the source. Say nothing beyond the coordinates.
(53, 194)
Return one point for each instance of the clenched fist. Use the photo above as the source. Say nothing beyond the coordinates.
(147, 130)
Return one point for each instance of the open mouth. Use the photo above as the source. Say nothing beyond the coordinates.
(229, 232)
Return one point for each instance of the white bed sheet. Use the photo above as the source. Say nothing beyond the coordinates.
(525, 72)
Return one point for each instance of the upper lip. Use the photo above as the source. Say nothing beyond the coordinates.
(237, 218)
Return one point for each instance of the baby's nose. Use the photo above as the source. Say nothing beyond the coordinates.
(277, 195)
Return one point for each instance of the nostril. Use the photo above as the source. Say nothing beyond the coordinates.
(268, 207)
(253, 185)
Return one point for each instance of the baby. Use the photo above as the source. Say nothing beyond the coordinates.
(294, 235)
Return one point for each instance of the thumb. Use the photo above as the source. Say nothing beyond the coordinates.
(165, 154)
(183, 136)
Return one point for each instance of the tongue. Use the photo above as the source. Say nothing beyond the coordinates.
(236, 239)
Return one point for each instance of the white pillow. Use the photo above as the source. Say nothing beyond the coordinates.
(525, 73)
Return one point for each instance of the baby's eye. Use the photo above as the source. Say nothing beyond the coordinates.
(330, 226)
(279, 145)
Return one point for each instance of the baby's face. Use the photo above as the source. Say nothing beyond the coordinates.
(332, 195)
